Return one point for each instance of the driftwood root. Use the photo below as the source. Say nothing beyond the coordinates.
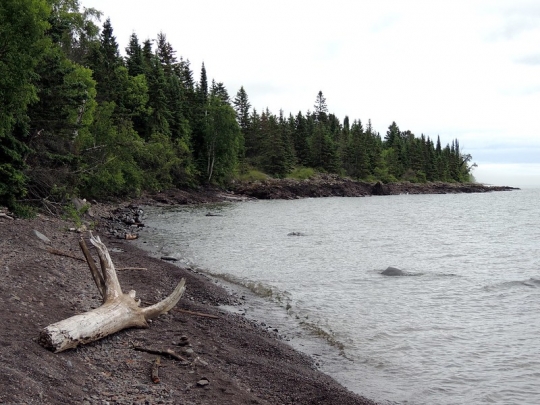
(119, 311)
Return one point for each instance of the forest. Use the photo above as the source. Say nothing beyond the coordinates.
(79, 118)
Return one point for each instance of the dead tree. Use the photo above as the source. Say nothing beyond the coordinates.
(119, 311)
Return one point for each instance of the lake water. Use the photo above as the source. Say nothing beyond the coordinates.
(462, 329)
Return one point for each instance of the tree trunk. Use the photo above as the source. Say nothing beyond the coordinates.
(119, 311)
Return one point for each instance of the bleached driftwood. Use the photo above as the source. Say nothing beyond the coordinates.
(119, 311)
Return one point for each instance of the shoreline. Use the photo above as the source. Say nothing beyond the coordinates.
(319, 186)
(243, 361)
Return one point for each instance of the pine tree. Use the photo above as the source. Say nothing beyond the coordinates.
(219, 90)
(134, 59)
(300, 139)
(202, 89)
(392, 135)
(104, 60)
(160, 117)
(321, 109)
(167, 55)
(242, 106)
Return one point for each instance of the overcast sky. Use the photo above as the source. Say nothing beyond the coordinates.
(466, 69)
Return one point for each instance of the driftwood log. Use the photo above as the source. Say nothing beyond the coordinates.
(118, 311)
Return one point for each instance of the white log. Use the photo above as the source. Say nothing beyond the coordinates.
(119, 311)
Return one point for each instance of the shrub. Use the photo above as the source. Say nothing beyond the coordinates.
(252, 175)
(302, 173)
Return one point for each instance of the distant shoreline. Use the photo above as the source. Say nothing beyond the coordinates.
(320, 186)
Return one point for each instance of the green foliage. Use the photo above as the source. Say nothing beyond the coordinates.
(24, 211)
(302, 173)
(71, 213)
(76, 118)
(252, 175)
(22, 43)
(221, 140)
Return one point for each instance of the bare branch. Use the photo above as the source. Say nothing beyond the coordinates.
(96, 275)
(112, 285)
(167, 304)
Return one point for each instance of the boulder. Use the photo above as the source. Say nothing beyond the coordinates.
(393, 271)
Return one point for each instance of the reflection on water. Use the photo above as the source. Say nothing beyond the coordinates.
(463, 331)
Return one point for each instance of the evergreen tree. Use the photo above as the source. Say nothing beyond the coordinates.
(219, 90)
(22, 45)
(202, 89)
(300, 139)
(242, 106)
(323, 149)
(160, 115)
(274, 159)
(253, 138)
(167, 55)
(321, 109)
(392, 135)
(134, 60)
(104, 60)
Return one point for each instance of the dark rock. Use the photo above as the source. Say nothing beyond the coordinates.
(379, 189)
(169, 258)
(393, 271)
(296, 234)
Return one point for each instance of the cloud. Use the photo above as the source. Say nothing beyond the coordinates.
(387, 21)
(507, 155)
(533, 59)
(516, 175)
(516, 18)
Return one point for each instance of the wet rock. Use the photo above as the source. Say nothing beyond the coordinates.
(379, 189)
(393, 272)
(169, 258)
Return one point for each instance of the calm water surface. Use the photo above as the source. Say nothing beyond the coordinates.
(462, 329)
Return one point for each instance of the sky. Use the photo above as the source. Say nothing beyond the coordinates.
(465, 69)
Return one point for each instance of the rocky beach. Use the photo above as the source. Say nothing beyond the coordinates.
(227, 359)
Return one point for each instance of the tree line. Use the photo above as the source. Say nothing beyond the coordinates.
(78, 118)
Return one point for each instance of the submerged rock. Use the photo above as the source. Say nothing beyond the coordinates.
(296, 234)
(393, 271)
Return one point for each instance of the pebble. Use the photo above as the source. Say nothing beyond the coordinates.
(203, 382)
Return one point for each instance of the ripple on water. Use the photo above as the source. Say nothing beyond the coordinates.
(463, 332)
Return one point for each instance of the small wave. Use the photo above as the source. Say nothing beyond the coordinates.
(530, 283)
(320, 332)
(260, 289)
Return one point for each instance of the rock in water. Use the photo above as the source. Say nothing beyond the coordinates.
(393, 271)
(169, 258)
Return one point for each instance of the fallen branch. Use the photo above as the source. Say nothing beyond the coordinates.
(66, 254)
(167, 352)
(185, 311)
(119, 311)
